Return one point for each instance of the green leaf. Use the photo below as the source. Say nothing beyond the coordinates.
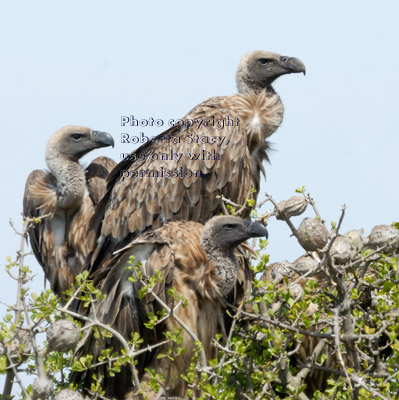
(388, 285)
(3, 364)
(300, 189)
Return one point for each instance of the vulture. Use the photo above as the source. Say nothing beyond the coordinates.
(64, 199)
(217, 149)
(200, 263)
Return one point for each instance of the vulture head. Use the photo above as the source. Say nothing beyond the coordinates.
(73, 142)
(63, 151)
(259, 69)
(220, 236)
(228, 232)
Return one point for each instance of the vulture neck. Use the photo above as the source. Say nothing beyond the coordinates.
(261, 111)
(224, 262)
(71, 181)
(246, 86)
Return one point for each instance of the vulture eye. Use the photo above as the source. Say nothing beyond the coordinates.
(77, 136)
(265, 61)
(228, 227)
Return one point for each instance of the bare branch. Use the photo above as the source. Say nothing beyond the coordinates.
(115, 333)
(286, 219)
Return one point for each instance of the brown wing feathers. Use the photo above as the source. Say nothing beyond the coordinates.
(135, 204)
(64, 198)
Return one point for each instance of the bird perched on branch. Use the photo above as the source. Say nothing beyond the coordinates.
(63, 199)
(200, 263)
(183, 173)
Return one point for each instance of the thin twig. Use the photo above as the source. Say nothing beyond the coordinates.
(286, 219)
(235, 318)
(284, 326)
(337, 346)
(115, 333)
(11, 373)
(182, 324)
(313, 204)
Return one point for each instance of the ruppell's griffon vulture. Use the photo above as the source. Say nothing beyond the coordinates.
(200, 263)
(66, 195)
(178, 176)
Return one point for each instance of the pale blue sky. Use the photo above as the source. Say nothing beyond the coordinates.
(87, 63)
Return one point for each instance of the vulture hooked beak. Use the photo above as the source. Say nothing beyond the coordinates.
(103, 139)
(292, 65)
(255, 229)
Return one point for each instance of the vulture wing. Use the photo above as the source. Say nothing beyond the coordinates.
(59, 240)
(176, 177)
(96, 177)
(33, 207)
